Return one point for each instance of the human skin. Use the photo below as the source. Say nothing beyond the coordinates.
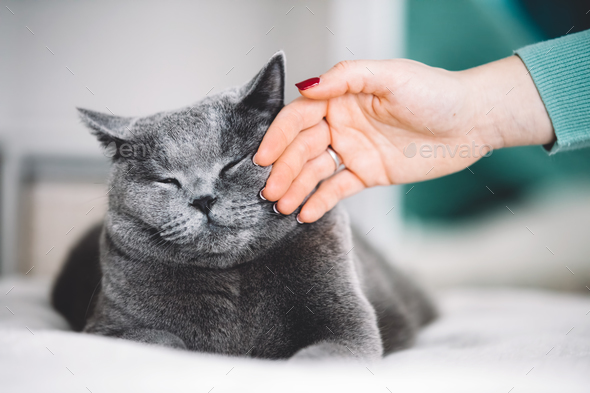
(369, 111)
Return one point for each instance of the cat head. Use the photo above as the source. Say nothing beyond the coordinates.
(183, 184)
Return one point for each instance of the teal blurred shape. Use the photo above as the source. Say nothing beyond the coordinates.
(460, 34)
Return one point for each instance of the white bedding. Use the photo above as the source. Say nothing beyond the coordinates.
(487, 340)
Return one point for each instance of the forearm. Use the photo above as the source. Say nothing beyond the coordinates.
(509, 109)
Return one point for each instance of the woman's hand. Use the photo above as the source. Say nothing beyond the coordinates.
(393, 122)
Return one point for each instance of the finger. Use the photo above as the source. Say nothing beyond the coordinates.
(308, 145)
(340, 186)
(291, 120)
(351, 76)
(313, 172)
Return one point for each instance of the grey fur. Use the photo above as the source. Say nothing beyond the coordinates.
(231, 276)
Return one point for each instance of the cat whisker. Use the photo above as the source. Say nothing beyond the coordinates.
(97, 198)
(155, 234)
(170, 246)
(257, 203)
(173, 235)
(255, 207)
(176, 236)
(242, 213)
(247, 199)
(160, 243)
(168, 231)
(175, 222)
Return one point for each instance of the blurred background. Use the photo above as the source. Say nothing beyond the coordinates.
(136, 58)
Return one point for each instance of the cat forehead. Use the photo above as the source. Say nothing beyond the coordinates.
(198, 125)
(210, 112)
(206, 131)
(216, 121)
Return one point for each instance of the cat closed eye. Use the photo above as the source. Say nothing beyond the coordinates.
(233, 164)
(170, 180)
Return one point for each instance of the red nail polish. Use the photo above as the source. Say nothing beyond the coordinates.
(308, 83)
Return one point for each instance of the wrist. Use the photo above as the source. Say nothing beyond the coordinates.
(508, 109)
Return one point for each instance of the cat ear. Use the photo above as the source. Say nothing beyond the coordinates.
(107, 128)
(266, 91)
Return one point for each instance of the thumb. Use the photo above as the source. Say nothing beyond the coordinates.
(349, 76)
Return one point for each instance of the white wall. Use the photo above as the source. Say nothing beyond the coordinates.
(138, 58)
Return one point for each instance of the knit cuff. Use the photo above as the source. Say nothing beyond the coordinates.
(560, 69)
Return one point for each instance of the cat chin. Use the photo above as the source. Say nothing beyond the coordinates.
(206, 246)
(223, 260)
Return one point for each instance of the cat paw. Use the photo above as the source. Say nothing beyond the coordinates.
(330, 350)
(155, 337)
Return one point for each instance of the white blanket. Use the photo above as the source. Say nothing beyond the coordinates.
(487, 340)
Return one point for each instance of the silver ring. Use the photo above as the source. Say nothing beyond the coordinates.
(335, 157)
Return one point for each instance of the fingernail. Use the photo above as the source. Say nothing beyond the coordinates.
(298, 220)
(262, 196)
(308, 83)
(254, 162)
(274, 207)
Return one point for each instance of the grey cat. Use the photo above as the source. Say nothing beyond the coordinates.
(190, 256)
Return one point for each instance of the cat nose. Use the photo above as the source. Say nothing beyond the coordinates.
(204, 203)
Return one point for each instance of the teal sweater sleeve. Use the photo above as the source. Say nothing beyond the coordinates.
(561, 71)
